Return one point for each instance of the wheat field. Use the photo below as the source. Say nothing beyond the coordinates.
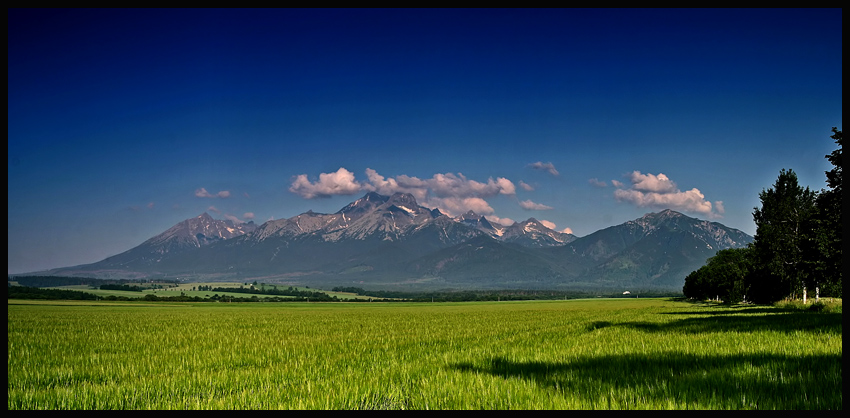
(574, 354)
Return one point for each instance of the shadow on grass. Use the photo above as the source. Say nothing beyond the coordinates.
(735, 310)
(742, 320)
(673, 380)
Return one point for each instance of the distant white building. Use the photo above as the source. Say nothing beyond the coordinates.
(627, 292)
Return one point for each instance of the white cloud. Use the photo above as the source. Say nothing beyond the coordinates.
(454, 206)
(551, 225)
(444, 185)
(529, 205)
(453, 194)
(658, 191)
(718, 207)
(202, 192)
(340, 182)
(652, 183)
(505, 186)
(548, 167)
(377, 183)
(597, 183)
(548, 224)
(248, 215)
(501, 221)
(618, 184)
(525, 186)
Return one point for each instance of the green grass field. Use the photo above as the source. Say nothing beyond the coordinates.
(579, 354)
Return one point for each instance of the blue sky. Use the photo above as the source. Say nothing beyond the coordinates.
(122, 123)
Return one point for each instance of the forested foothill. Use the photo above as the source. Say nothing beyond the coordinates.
(796, 253)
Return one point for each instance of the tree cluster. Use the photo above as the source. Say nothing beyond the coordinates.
(487, 295)
(306, 294)
(25, 292)
(796, 250)
(723, 277)
(125, 287)
(52, 281)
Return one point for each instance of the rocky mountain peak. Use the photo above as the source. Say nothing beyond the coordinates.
(403, 199)
(469, 216)
(663, 215)
(363, 205)
(205, 217)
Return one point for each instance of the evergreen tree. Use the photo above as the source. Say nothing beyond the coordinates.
(783, 226)
(825, 251)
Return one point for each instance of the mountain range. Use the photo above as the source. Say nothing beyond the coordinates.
(390, 241)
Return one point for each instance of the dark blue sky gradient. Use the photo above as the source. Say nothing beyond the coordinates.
(116, 117)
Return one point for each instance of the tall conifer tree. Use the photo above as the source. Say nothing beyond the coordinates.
(782, 231)
(828, 231)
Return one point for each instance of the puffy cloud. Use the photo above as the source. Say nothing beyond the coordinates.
(453, 194)
(377, 183)
(718, 207)
(340, 182)
(548, 224)
(202, 192)
(652, 183)
(501, 221)
(529, 205)
(454, 206)
(692, 200)
(248, 215)
(597, 183)
(618, 184)
(444, 185)
(525, 186)
(551, 225)
(648, 190)
(505, 186)
(548, 167)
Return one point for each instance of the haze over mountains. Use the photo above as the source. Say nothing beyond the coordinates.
(385, 241)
